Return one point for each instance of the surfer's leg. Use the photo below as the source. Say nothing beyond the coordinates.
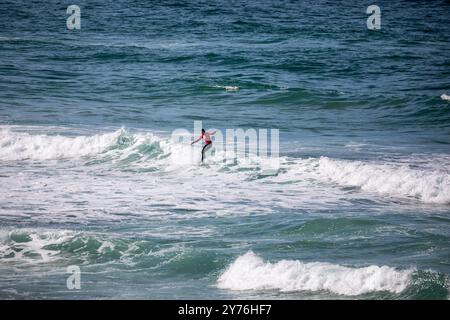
(205, 147)
(203, 151)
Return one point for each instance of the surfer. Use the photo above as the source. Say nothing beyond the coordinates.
(208, 143)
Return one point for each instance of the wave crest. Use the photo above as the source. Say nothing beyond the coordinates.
(250, 272)
(429, 186)
(119, 144)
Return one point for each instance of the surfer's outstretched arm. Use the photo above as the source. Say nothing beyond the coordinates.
(196, 140)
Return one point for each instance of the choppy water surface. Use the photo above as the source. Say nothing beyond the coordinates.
(359, 208)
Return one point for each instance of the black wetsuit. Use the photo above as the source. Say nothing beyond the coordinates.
(206, 147)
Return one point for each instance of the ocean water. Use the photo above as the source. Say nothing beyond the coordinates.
(358, 209)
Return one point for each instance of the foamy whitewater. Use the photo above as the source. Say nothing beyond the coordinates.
(357, 206)
(91, 179)
(250, 272)
(429, 185)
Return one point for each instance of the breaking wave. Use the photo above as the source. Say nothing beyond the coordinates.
(250, 272)
(118, 144)
(427, 185)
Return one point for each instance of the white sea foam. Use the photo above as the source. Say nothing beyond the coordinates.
(430, 186)
(250, 272)
(427, 179)
(117, 145)
(106, 246)
(400, 180)
(31, 246)
(35, 246)
(21, 145)
(445, 97)
(228, 88)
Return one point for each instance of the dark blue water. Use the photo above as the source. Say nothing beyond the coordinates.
(359, 207)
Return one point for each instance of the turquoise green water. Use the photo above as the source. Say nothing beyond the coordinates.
(358, 209)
